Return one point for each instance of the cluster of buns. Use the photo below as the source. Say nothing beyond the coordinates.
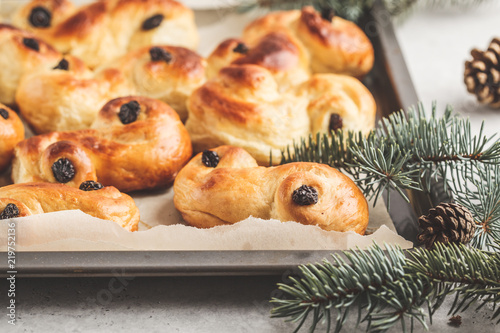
(308, 193)
(106, 29)
(291, 74)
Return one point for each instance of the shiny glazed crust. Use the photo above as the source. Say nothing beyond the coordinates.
(338, 46)
(38, 198)
(203, 194)
(144, 154)
(244, 106)
(11, 132)
(106, 29)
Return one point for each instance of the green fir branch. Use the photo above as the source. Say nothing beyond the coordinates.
(390, 286)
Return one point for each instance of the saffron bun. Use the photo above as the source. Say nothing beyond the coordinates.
(69, 99)
(334, 45)
(11, 132)
(308, 193)
(103, 30)
(37, 198)
(244, 106)
(21, 52)
(135, 143)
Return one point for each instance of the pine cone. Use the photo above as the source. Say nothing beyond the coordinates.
(446, 223)
(482, 74)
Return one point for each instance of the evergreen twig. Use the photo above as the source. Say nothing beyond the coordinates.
(389, 287)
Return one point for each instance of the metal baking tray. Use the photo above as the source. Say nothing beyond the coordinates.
(393, 90)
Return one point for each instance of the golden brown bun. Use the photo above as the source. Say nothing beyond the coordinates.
(37, 198)
(243, 106)
(17, 58)
(11, 132)
(65, 100)
(104, 30)
(171, 81)
(143, 154)
(336, 46)
(279, 52)
(203, 194)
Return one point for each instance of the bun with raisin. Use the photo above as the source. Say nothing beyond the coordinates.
(308, 193)
(135, 143)
(37, 198)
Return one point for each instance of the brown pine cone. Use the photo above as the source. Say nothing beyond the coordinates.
(446, 223)
(482, 74)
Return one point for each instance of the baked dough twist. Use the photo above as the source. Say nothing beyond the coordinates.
(335, 45)
(37, 198)
(135, 143)
(11, 132)
(69, 99)
(244, 106)
(103, 30)
(308, 193)
(20, 53)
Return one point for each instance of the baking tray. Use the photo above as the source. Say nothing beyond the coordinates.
(393, 90)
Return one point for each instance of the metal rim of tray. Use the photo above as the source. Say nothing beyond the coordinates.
(183, 263)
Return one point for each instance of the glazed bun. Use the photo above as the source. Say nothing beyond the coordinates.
(106, 203)
(11, 132)
(70, 98)
(244, 106)
(67, 98)
(308, 193)
(335, 45)
(20, 53)
(104, 30)
(135, 143)
(166, 73)
(279, 52)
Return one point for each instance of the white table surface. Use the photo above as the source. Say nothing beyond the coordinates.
(435, 45)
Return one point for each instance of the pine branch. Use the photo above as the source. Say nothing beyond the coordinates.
(389, 287)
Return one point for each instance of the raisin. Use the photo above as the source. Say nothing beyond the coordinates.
(241, 48)
(152, 22)
(305, 196)
(31, 43)
(4, 114)
(40, 17)
(327, 14)
(90, 185)
(9, 212)
(63, 170)
(336, 122)
(159, 54)
(63, 64)
(129, 112)
(210, 158)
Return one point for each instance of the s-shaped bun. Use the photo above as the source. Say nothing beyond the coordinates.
(308, 193)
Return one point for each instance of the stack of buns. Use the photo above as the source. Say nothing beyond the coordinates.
(109, 98)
